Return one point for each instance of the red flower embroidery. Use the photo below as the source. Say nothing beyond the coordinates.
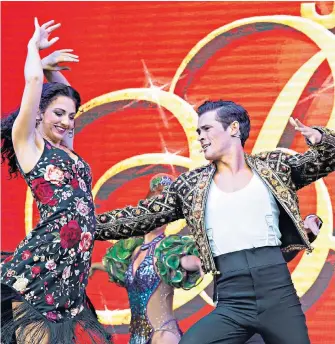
(43, 191)
(26, 255)
(35, 270)
(85, 243)
(49, 299)
(81, 277)
(70, 234)
(52, 316)
(67, 304)
(75, 183)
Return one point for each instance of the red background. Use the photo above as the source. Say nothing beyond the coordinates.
(112, 40)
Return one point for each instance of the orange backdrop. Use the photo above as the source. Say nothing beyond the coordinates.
(130, 45)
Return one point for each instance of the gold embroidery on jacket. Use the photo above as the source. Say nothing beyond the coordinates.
(283, 174)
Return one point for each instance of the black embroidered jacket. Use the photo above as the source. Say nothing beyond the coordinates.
(185, 198)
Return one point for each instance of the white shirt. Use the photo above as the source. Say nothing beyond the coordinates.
(243, 219)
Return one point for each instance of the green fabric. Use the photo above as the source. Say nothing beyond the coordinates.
(169, 254)
(118, 258)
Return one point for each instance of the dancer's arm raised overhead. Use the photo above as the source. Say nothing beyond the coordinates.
(27, 145)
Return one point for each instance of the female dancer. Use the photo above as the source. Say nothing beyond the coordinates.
(47, 275)
(149, 269)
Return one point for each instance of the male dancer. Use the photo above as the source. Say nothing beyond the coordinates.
(243, 213)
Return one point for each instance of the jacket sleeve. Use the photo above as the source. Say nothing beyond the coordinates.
(137, 221)
(316, 163)
(288, 256)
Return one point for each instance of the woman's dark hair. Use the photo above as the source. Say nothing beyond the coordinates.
(227, 112)
(50, 92)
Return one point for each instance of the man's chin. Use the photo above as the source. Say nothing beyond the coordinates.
(209, 157)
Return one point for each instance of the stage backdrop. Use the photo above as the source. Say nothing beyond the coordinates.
(141, 65)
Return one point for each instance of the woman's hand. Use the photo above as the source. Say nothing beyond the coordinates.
(51, 62)
(91, 272)
(192, 263)
(94, 267)
(40, 37)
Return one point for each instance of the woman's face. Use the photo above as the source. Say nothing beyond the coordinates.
(58, 119)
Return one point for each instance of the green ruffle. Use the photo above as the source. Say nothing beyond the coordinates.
(169, 254)
(118, 258)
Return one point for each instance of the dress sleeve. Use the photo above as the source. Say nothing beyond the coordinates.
(118, 258)
(168, 264)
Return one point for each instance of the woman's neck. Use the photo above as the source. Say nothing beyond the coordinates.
(56, 143)
(154, 234)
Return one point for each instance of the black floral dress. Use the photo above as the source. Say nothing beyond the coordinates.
(49, 269)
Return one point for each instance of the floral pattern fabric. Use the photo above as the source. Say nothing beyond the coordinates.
(49, 268)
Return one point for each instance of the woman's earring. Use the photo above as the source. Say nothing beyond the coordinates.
(71, 133)
(38, 121)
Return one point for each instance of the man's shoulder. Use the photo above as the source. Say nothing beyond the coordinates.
(196, 172)
(278, 155)
(277, 160)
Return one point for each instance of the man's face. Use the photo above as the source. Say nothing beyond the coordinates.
(214, 139)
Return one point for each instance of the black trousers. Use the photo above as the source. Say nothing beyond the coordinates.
(255, 295)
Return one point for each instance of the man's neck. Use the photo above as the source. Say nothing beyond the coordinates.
(232, 162)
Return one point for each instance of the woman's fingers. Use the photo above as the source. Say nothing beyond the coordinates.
(59, 68)
(52, 41)
(45, 25)
(52, 28)
(72, 55)
(37, 25)
(65, 50)
(68, 57)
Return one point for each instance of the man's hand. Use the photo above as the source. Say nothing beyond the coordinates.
(312, 224)
(312, 135)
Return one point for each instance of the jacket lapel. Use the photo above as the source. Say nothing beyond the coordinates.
(285, 196)
(198, 218)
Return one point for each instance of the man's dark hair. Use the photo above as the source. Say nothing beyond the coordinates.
(227, 112)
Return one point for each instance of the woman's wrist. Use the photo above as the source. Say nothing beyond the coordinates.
(33, 45)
